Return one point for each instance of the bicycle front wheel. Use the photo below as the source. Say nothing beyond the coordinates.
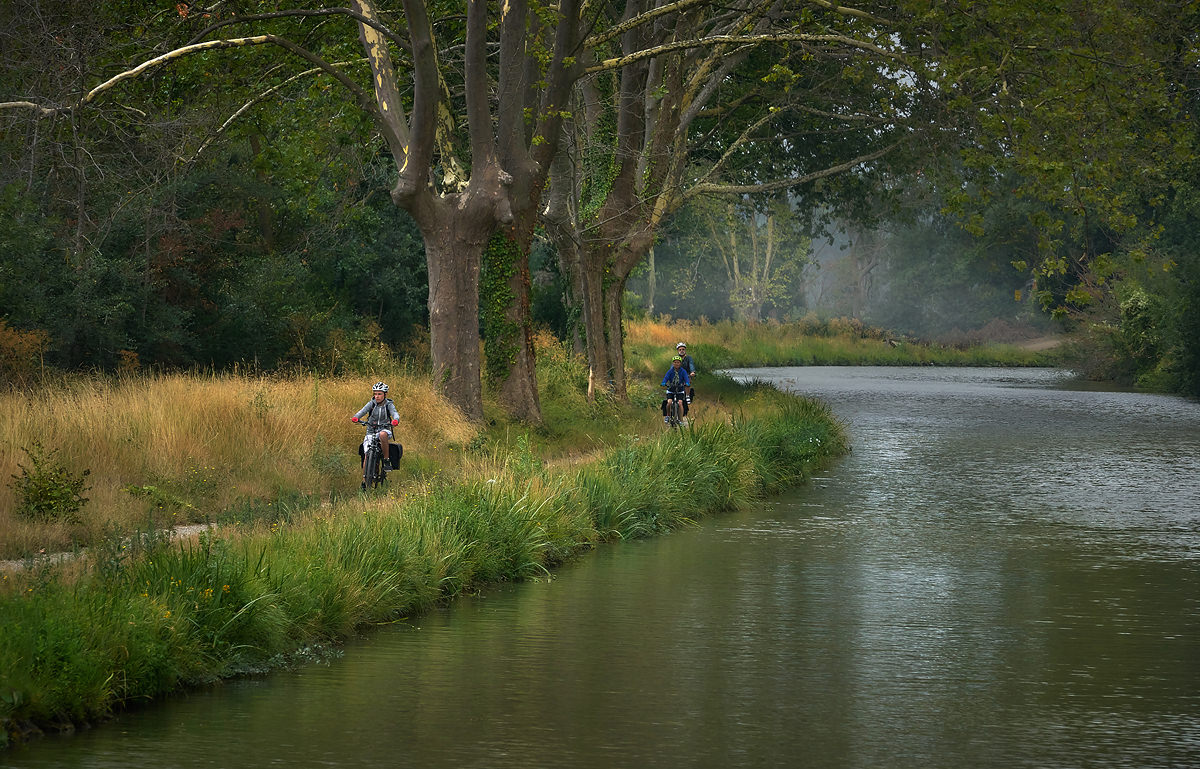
(372, 462)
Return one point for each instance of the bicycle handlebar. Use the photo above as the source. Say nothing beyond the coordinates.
(359, 421)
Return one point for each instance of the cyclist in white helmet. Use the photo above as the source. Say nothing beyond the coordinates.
(381, 416)
(689, 366)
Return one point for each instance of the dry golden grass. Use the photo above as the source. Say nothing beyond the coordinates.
(194, 444)
(660, 333)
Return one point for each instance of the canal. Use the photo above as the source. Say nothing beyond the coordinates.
(1005, 572)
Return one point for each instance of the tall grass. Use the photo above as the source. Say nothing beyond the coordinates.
(810, 342)
(144, 617)
(185, 448)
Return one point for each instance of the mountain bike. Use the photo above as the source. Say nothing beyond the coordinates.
(675, 415)
(371, 454)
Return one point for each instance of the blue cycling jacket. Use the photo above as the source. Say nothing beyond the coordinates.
(676, 379)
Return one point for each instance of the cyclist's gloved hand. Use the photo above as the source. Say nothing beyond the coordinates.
(353, 419)
(395, 422)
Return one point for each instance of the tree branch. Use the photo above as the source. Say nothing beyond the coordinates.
(620, 29)
(780, 184)
(846, 11)
(621, 61)
(258, 99)
(360, 17)
(479, 115)
(387, 92)
(45, 111)
(210, 45)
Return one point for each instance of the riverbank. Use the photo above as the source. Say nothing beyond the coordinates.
(812, 342)
(140, 618)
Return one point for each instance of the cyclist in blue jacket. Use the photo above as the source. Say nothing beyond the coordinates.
(676, 381)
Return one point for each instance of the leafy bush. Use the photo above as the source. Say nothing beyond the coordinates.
(48, 491)
(20, 351)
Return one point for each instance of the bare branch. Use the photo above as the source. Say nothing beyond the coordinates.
(259, 99)
(780, 184)
(361, 18)
(737, 143)
(636, 21)
(210, 45)
(622, 61)
(845, 11)
(45, 111)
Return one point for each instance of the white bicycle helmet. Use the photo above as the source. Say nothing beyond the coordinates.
(682, 345)
(379, 387)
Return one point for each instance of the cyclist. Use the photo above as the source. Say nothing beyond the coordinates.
(381, 415)
(676, 381)
(689, 366)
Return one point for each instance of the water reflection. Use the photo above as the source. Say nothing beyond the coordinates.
(1003, 573)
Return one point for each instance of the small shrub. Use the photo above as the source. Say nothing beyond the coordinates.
(20, 351)
(48, 491)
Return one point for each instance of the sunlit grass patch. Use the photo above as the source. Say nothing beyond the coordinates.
(807, 342)
(186, 448)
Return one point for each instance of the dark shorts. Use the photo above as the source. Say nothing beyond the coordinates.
(682, 399)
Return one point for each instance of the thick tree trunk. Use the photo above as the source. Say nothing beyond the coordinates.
(509, 327)
(614, 300)
(600, 367)
(561, 229)
(453, 253)
(604, 282)
(519, 392)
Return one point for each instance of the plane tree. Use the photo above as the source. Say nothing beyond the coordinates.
(466, 98)
(758, 244)
(749, 98)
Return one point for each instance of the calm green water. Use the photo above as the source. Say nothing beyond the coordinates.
(1004, 573)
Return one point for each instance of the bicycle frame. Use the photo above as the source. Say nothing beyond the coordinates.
(372, 448)
(675, 409)
(372, 457)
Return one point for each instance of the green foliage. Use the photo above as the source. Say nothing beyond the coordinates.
(500, 332)
(1074, 106)
(277, 244)
(48, 490)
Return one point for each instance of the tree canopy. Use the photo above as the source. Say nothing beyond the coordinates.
(296, 183)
